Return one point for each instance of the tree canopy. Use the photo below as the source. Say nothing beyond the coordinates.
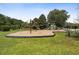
(58, 17)
(7, 23)
(40, 22)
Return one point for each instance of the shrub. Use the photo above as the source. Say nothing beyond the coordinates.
(34, 27)
(73, 32)
(14, 27)
(5, 28)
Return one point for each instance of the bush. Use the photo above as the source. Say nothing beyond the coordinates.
(73, 32)
(34, 27)
(14, 27)
(5, 28)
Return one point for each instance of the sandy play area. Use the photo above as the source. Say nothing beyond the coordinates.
(34, 33)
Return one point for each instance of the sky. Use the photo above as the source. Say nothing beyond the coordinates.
(26, 11)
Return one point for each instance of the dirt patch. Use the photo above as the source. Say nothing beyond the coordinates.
(34, 33)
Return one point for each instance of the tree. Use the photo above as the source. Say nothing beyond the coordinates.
(58, 17)
(77, 9)
(35, 24)
(2, 19)
(42, 21)
(39, 23)
(7, 23)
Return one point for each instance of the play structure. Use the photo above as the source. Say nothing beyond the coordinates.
(32, 33)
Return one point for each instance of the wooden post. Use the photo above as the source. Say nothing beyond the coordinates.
(30, 27)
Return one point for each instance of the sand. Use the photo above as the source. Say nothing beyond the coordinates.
(34, 33)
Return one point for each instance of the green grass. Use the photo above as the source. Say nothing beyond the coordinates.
(58, 45)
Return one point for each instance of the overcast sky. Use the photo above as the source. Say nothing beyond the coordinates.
(26, 11)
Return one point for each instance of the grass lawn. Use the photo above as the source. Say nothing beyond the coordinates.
(60, 44)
